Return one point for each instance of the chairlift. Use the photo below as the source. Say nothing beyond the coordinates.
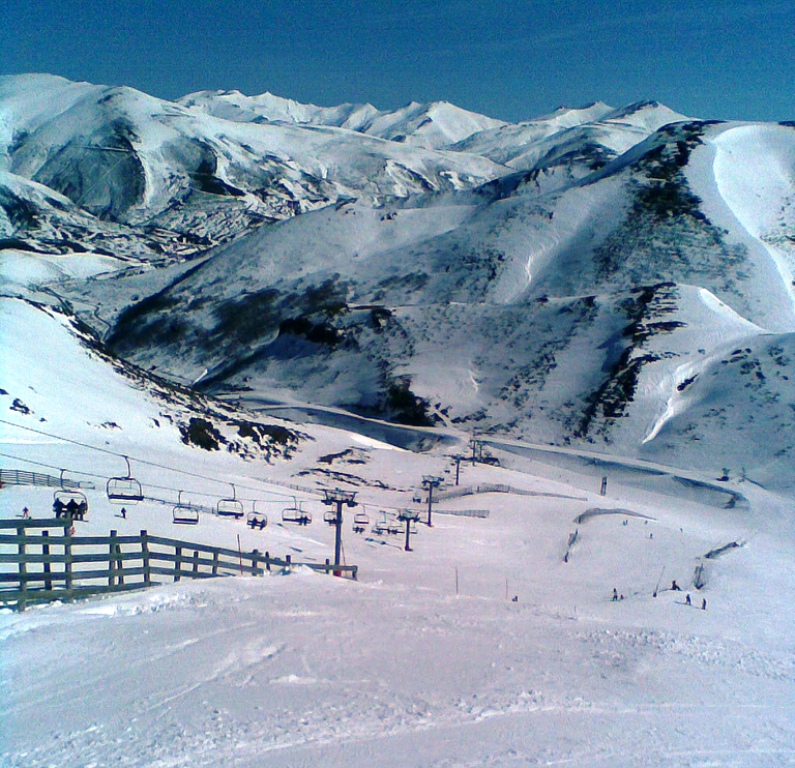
(67, 502)
(360, 521)
(330, 517)
(256, 519)
(385, 525)
(230, 507)
(184, 514)
(124, 490)
(296, 514)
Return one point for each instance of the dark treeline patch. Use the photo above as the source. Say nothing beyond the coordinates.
(201, 433)
(248, 318)
(265, 433)
(610, 400)
(404, 407)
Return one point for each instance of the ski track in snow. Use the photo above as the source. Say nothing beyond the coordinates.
(202, 724)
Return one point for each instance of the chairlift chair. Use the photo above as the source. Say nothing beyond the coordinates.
(230, 507)
(296, 514)
(72, 503)
(385, 525)
(184, 514)
(360, 521)
(379, 526)
(67, 501)
(124, 490)
(256, 519)
(330, 517)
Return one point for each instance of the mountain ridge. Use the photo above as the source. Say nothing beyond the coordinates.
(613, 279)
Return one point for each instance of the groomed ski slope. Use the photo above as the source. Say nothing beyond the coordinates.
(425, 661)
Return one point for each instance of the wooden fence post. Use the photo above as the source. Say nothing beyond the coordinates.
(45, 550)
(23, 570)
(67, 553)
(254, 561)
(112, 560)
(195, 562)
(215, 563)
(267, 561)
(177, 562)
(145, 558)
(119, 566)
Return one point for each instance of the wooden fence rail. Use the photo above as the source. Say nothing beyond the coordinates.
(36, 566)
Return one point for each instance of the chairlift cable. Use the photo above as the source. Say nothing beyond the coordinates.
(152, 464)
(153, 499)
(137, 460)
(50, 466)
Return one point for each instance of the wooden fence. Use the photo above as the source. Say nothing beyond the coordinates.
(43, 560)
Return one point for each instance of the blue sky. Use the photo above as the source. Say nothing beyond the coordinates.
(511, 59)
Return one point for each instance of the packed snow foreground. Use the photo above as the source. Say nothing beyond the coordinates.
(495, 642)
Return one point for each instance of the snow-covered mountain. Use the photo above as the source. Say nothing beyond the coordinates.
(610, 311)
(181, 173)
(435, 126)
(618, 277)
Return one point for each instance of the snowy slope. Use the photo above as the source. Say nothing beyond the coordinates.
(68, 386)
(427, 659)
(749, 190)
